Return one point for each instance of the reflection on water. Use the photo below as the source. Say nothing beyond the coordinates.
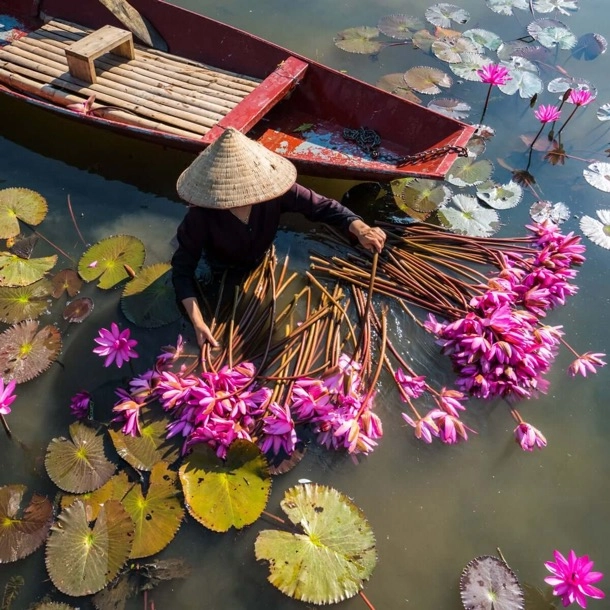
(433, 508)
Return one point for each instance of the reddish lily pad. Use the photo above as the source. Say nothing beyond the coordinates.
(22, 247)
(20, 204)
(26, 352)
(21, 535)
(66, 280)
(78, 310)
(24, 302)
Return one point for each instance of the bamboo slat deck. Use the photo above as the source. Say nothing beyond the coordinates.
(155, 90)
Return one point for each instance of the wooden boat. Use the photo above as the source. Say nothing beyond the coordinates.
(75, 57)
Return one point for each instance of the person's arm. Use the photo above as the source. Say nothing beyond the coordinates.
(202, 330)
(370, 238)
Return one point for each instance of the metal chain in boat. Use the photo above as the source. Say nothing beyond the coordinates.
(369, 141)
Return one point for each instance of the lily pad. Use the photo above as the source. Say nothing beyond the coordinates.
(78, 310)
(423, 196)
(469, 66)
(487, 583)
(501, 197)
(399, 27)
(22, 247)
(221, 495)
(66, 280)
(362, 40)
(332, 557)
(598, 231)
(598, 175)
(566, 7)
(443, 14)
(469, 218)
(395, 84)
(563, 83)
(590, 46)
(545, 210)
(456, 109)
(551, 33)
(157, 514)
(53, 606)
(78, 465)
(149, 299)
(450, 50)
(82, 560)
(466, 171)
(17, 271)
(20, 204)
(107, 259)
(21, 534)
(424, 79)
(524, 78)
(25, 302)
(484, 39)
(603, 113)
(26, 352)
(150, 447)
(423, 40)
(506, 7)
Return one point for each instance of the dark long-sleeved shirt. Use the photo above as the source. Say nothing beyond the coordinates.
(226, 239)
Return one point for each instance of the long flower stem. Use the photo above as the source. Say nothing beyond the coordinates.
(567, 120)
(529, 159)
(6, 427)
(486, 103)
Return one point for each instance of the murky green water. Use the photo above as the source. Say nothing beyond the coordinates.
(433, 508)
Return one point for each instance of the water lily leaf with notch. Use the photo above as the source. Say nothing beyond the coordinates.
(466, 171)
(233, 493)
(82, 560)
(17, 271)
(395, 83)
(150, 447)
(21, 534)
(443, 14)
(423, 40)
(25, 351)
(501, 197)
(157, 514)
(399, 27)
(563, 83)
(455, 109)
(551, 33)
(450, 50)
(598, 231)
(487, 583)
(149, 299)
(598, 175)
(66, 280)
(106, 260)
(548, 6)
(362, 40)
(546, 210)
(23, 246)
(78, 310)
(427, 80)
(590, 46)
(398, 187)
(484, 39)
(334, 555)
(603, 113)
(24, 302)
(424, 196)
(506, 7)
(469, 218)
(78, 465)
(469, 66)
(524, 78)
(20, 204)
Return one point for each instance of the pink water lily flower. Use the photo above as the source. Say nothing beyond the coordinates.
(494, 74)
(529, 437)
(7, 396)
(80, 404)
(572, 579)
(547, 114)
(580, 97)
(115, 345)
(586, 363)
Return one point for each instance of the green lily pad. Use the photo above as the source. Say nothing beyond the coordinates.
(442, 14)
(66, 280)
(221, 495)
(362, 40)
(423, 40)
(598, 175)
(78, 465)
(82, 560)
(20, 204)
(21, 535)
(524, 78)
(468, 68)
(467, 171)
(26, 352)
(107, 259)
(150, 447)
(450, 50)
(399, 27)
(423, 196)
(469, 218)
(424, 79)
(487, 583)
(157, 514)
(456, 109)
(590, 46)
(395, 83)
(17, 271)
(149, 299)
(551, 33)
(506, 7)
(483, 38)
(597, 229)
(500, 197)
(332, 557)
(563, 6)
(24, 302)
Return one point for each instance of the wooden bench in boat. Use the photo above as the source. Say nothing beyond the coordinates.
(80, 54)
(154, 90)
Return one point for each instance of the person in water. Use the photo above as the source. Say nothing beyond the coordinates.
(237, 189)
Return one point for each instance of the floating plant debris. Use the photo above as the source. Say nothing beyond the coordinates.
(546, 210)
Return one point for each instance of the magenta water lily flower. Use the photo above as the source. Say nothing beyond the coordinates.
(115, 345)
(529, 437)
(547, 114)
(494, 74)
(586, 363)
(572, 579)
(80, 404)
(7, 396)
(580, 97)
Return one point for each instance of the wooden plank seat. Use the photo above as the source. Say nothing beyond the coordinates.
(154, 90)
(80, 54)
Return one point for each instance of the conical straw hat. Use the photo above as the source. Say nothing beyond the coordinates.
(235, 171)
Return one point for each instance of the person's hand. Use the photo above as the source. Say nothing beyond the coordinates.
(370, 238)
(202, 330)
(204, 335)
